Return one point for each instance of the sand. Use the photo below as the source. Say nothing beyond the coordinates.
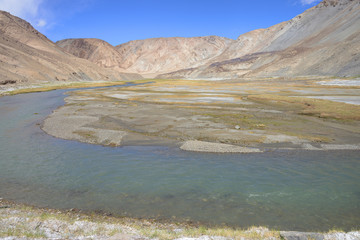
(200, 146)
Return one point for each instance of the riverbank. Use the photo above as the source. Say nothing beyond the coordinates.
(23, 221)
(13, 89)
(19, 221)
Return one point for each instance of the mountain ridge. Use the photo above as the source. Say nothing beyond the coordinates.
(316, 35)
(149, 56)
(324, 40)
(27, 56)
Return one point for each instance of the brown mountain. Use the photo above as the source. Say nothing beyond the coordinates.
(28, 56)
(95, 50)
(161, 55)
(150, 56)
(324, 40)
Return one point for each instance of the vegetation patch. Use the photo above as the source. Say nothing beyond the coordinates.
(85, 134)
(32, 222)
(51, 86)
(243, 120)
(313, 107)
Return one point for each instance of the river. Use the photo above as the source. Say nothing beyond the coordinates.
(283, 189)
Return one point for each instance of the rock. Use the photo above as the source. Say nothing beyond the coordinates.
(178, 230)
(122, 236)
(301, 236)
(204, 238)
(343, 236)
(340, 147)
(308, 146)
(4, 82)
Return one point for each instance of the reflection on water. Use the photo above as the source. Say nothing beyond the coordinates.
(297, 190)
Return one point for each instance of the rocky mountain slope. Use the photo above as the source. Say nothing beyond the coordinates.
(160, 55)
(27, 56)
(95, 50)
(324, 40)
(149, 56)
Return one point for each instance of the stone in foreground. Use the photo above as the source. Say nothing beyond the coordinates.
(301, 236)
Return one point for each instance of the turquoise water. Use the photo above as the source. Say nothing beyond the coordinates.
(289, 190)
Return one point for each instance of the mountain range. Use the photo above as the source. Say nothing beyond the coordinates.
(27, 56)
(322, 41)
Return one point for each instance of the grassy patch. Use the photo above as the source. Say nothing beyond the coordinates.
(313, 107)
(245, 121)
(21, 231)
(145, 228)
(234, 233)
(52, 86)
(85, 134)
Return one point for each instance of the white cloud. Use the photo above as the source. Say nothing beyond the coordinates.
(30, 10)
(21, 8)
(307, 2)
(41, 23)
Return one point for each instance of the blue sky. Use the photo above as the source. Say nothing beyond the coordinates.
(119, 21)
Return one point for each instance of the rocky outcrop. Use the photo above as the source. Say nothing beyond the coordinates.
(27, 56)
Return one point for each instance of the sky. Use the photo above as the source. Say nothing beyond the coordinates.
(120, 21)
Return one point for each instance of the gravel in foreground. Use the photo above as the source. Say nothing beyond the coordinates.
(24, 222)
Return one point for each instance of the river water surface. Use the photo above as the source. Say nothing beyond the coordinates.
(288, 190)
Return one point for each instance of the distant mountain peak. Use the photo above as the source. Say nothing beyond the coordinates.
(333, 3)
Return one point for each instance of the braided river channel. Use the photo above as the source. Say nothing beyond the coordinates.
(280, 189)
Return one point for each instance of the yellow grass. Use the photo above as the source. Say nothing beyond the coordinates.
(309, 106)
(50, 87)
